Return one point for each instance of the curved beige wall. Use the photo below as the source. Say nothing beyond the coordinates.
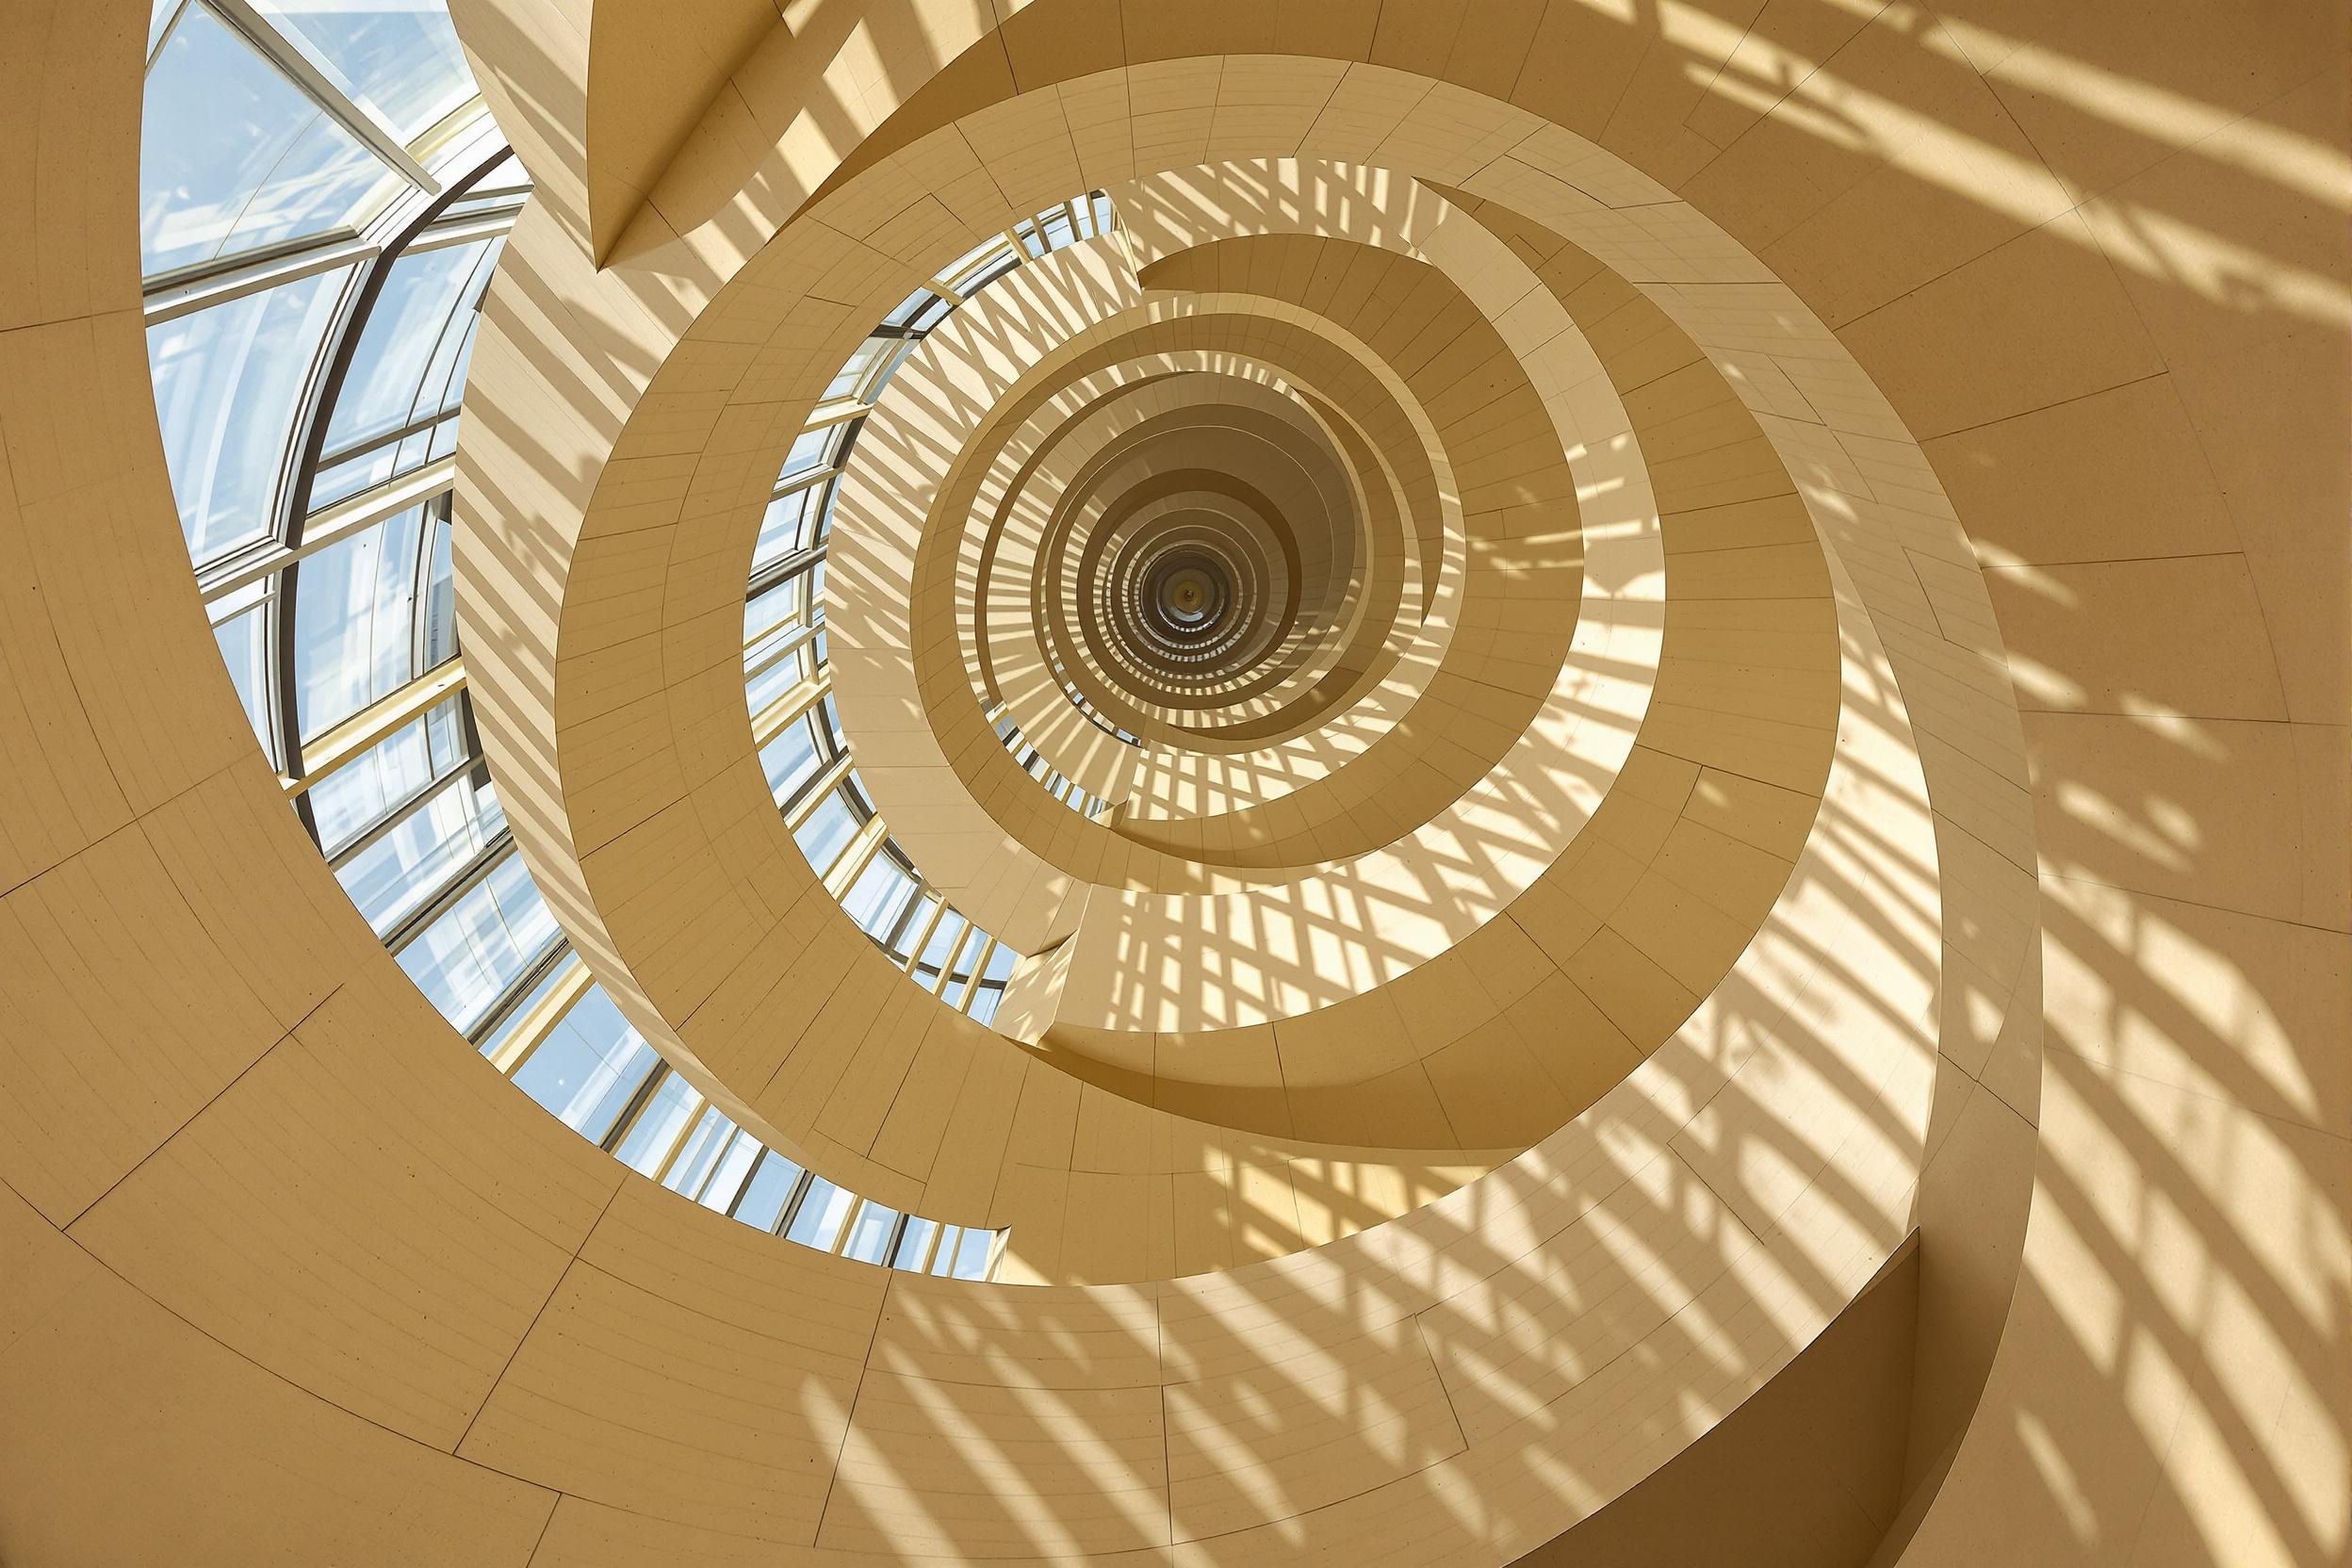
(288, 1272)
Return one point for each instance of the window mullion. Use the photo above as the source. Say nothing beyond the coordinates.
(347, 742)
(795, 704)
(854, 859)
(187, 290)
(330, 525)
(293, 56)
(813, 793)
(419, 591)
(550, 1011)
(979, 964)
(923, 938)
(391, 822)
(623, 1123)
(802, 1186)
(468, 876)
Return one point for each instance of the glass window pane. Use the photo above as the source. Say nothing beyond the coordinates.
(699, 1152)
(968, 958)
(943, 939)
(870, 1237)
(557, 973)
(589, 1067)
(506, 182)
(244, 642)
(233, 156)
(821, 1215)
(446, 727)
(784, 528)
(413, 315)
(984, 1007)
(972, 1254)
(911, 307)
(826, 832)
(913, 1243)
(771, 1188)
(726, 1178)
(355, 622)
(944, 1259)
(850, 377)
(889, 369)
(464, 960)
(911, 932)
(228, 381)
(778, 678)
(650, 1137)
(336, 482)
(791, 759)
(931, 315)
(440, 610)
(879, 896)
(960, 981)
(445, 378)
(380, 779)
(812, 451)
(775, 607)
(991, 257)
(408, 865)
(401, 56)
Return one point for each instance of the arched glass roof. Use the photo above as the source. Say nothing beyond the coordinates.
(324, 200)
(788, 680)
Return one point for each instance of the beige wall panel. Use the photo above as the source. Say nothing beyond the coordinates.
(2267, 422)
(110, 1050)
(2235, 1005)
(239, 858)
(62, 795)
(2233, 1389)
(2222, 822)
(1889, 231)
(2182, 636)
(2109, 476)
(208, 1459)
(1822, 1443)
(717, 1392)
(1357, 1414)
(265, 1220)
(1942, 349)
(1087, 1467)
(84, 488)
(2165, 1380)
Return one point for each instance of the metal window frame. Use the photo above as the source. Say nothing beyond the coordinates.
(319, 79)
(643, 1095)
(273, 565)
(375, 832)
(534, 1032)
(322, 389)
(475, 871)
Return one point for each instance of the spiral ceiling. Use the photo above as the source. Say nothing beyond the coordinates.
(1433, 783)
